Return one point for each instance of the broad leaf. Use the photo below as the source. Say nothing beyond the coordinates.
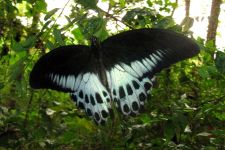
(58, 36)
(50, 13)
(220, 62)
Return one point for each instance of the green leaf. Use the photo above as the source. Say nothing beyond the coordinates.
(78, 34)
(203, 72)
(40, 5)
(220, 62)
(50, 13)
(101, 34)
(49, 45)
(29, 42)
(112, 3)
(94, 26)
(169, 131)
(16, 70)
(165, 22)
(24, 45)
(88, 4)
(58, 36)
(45, 25)
(145, 118)
(17, 46)
(122, 3)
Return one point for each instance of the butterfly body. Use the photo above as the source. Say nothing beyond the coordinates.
(118, 70)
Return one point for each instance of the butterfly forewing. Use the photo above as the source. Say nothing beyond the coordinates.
(60, 68)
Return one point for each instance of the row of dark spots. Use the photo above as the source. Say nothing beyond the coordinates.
(79, 104)
(104, 114)
(128, 88)
(135, 107)
(97, 116)
(106, 95)
(135, 84)
(142, 97)
(89, 112)
(97, 96)
(147, 86)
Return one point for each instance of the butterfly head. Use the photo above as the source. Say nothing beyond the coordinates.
(95, 43)
(95, 46)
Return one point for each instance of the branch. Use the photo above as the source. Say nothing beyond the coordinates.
(116, 19)
(172, 13)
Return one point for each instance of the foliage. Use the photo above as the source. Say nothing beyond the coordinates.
(186, 110)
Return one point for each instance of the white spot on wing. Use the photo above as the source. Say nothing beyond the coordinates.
(51, 76)
(119, 67)
(153, 59)
(157, 57)
(86, 77)
(77, 82)
(57, 79)
(70, 82)
(129, 70)
(150, 62)
(159, 53)
(137, 68)
(149, 67)
(142, 67)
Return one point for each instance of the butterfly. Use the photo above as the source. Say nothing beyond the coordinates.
(119, 70)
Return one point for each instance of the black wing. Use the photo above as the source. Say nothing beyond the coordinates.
(62, 61)
(132, 59)
(73, 69)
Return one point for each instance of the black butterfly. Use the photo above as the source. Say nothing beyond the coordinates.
(120, 69)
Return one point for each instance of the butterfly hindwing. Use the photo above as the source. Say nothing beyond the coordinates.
(93, 97)
(128, 90)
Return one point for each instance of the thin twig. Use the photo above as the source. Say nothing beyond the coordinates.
(116, 19)
(28, 109)
(172, 13)
(56, 19)
(38, 34)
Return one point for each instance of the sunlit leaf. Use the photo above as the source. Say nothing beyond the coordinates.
(50, 13)
(58, 36)
(50, 112)
(40, 5)
(45, 26)
(50, 45)
(88, 4)
(203, 72)
(122, 3)
(78, 34)
(30, 41)
(204, 134)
